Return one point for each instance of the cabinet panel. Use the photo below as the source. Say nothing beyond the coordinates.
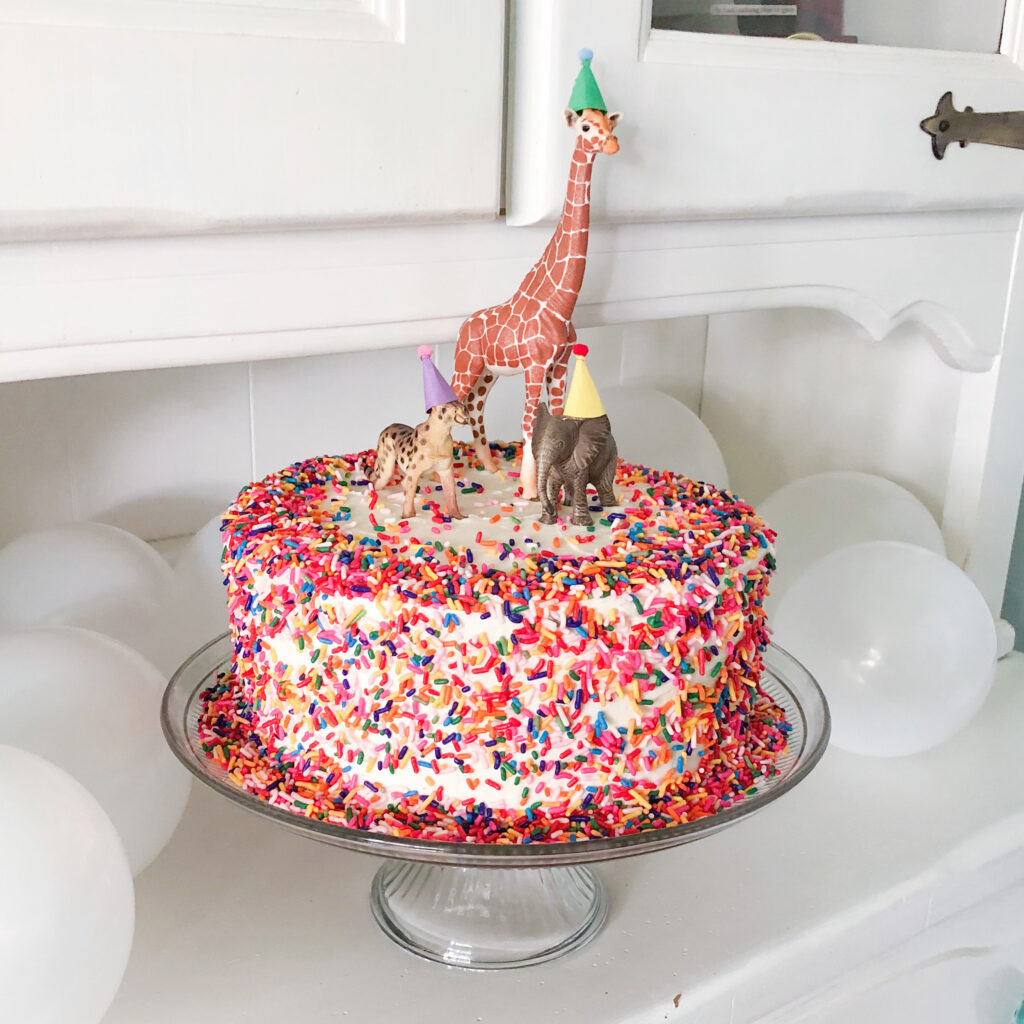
(375, 20)
(167, 117)
(721, 126)
(942, 25)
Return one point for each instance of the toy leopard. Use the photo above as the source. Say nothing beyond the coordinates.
(424, 448)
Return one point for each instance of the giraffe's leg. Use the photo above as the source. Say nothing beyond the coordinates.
(528, 475)
(475, 407)
(469, 362)
(558, 371)
(470, 371)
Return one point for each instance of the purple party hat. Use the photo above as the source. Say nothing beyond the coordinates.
(436, 390)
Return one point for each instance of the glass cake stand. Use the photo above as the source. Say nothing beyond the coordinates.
(487, 906)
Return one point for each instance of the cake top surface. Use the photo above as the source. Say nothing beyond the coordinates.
(321, 522)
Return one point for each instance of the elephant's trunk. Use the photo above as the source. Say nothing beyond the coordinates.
(546, 484)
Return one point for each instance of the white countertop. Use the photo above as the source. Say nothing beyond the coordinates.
(239, 919)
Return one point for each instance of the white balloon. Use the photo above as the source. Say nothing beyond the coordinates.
(658, 431)
(828, 511)
(67, 905)
(92, 706)
(900, 640)
(89, 575)
(151, 627)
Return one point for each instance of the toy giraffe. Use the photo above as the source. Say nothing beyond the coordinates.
(532, 333)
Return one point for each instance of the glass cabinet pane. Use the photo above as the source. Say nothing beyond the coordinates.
(944, 25)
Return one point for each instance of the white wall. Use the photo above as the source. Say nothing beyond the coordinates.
(788, 393)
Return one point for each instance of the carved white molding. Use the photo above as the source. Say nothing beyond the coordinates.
(357, 20)
(952, 343)
(83, 307)
(1012, 42)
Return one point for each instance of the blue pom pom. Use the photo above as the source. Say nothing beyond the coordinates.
(586, 54)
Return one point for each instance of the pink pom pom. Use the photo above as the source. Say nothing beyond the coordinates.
(580, 350)
(424, 351)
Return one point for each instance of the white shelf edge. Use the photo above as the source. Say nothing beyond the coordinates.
(87, 307)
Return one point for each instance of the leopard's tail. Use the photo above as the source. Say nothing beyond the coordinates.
(385, 464)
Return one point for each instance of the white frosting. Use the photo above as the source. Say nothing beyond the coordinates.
(518, 703)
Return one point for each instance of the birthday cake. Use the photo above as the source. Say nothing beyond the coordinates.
(493, 678)
(449, 659)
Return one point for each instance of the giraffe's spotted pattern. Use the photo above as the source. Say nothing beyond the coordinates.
(532, 332)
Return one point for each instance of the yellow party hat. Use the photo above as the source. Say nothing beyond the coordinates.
(583, 401)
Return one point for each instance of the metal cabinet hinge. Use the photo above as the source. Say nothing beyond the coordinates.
(948, 125)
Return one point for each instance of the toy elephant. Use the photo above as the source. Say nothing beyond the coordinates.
(572, 452)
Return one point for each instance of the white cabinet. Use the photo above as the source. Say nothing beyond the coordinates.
(131, 117)
(720, 126)
(166, 164)
(754, 174)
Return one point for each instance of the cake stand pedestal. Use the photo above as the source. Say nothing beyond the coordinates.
(490, 906)
(473, 917)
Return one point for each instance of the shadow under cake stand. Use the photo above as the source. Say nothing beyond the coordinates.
(488, 906)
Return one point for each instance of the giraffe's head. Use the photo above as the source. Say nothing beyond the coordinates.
(596, 130)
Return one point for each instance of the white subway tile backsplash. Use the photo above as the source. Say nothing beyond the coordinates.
(788, 393)
(159, 452)
(35, 479)
(605, 357)
(331, 404)
(667, 355)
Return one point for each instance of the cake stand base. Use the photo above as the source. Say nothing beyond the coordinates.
(487, 918)
(490, 905)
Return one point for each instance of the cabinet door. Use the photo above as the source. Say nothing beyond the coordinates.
(155, 116)
(722, 125)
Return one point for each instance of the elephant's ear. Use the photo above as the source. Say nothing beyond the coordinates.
(594, 434)
(542, 418)
(539, 437)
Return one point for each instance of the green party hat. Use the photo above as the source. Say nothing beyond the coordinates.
(585, 93)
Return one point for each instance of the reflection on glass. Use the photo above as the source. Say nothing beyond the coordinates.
(945, 25)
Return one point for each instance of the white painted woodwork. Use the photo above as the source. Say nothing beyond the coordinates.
(167, 118)
(988, 459)
(353, 20)
(719, 127)
(85, 307)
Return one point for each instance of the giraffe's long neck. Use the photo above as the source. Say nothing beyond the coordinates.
(565, 257)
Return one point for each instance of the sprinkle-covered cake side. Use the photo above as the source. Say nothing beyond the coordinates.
(494, 678)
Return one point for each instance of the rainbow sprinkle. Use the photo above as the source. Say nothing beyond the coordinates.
(531, 685)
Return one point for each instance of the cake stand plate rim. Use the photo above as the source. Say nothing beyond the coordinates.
(813, 729)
